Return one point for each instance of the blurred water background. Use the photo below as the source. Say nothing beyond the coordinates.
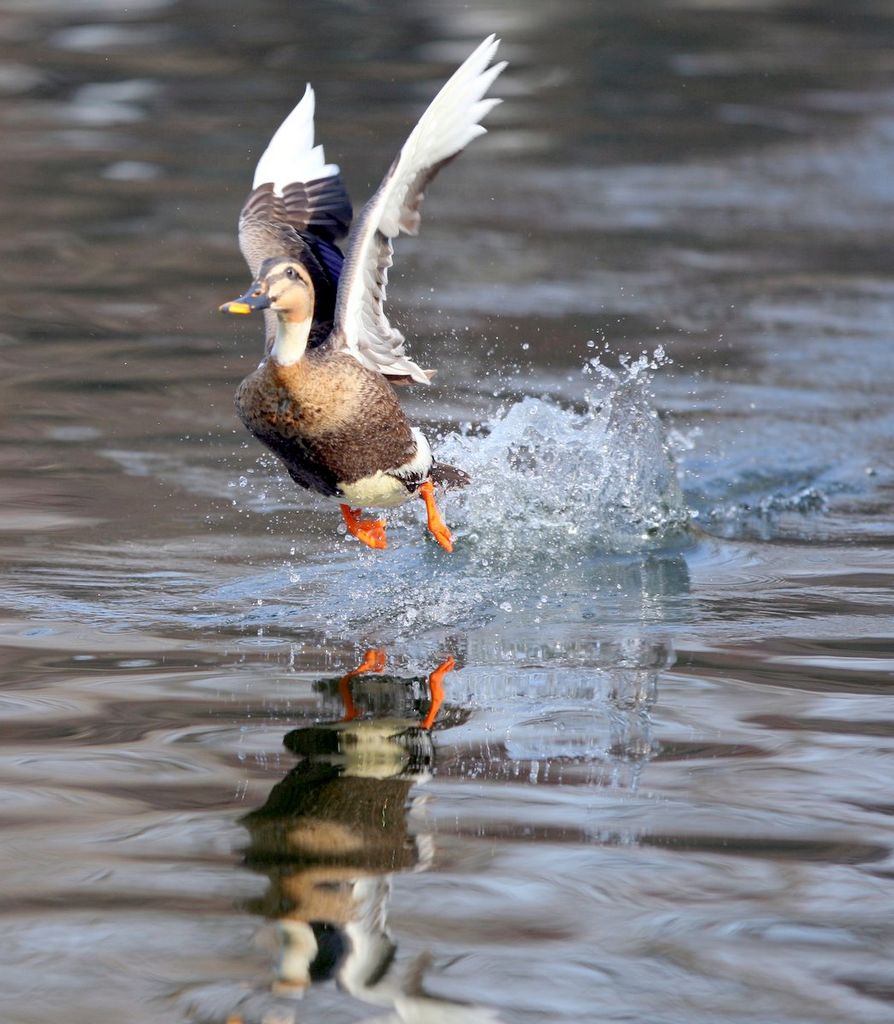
(660, 297)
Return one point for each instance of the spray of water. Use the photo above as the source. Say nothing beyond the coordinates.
(558, 496)
(553, 481)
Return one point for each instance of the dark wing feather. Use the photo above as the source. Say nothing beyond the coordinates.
(320, 208)
(298, 208)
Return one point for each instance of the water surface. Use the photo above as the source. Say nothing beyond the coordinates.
(624, 755)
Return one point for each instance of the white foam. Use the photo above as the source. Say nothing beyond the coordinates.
(551, 479)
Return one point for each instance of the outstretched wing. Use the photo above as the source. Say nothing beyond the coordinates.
(444, 130)
(292, 185)
(298, 206)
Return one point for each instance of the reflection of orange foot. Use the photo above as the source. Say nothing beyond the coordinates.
(436, 688)
(374, 661)
(370, 531)
(436, 524)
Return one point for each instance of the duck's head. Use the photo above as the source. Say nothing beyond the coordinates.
(283, 285)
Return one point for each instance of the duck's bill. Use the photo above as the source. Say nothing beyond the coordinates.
(247, 303)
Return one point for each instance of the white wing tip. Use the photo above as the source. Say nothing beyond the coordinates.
(446, 127)
(291, 154)
(491, 42)
(451, 120)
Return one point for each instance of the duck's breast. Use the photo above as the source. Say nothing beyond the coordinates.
(332, 417)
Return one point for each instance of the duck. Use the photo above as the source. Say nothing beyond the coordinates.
(323, 398)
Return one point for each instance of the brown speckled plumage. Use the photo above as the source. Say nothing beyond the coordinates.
(328, 418)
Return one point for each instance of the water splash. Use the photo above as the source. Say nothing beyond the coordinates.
(765, 514)
(561, 500)
(554, 480)
(572, 515)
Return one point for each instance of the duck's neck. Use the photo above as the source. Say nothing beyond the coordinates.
(291, 341)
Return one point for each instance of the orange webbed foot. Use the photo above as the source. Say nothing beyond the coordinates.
(372, 534)
(436, 690)
(436, 524)
(370, 531)
(373, 661)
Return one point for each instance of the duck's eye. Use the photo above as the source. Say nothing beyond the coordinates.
(291, 273)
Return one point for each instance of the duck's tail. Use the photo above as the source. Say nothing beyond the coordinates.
(448, 476)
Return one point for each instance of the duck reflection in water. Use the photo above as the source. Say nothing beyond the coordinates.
(335, 829)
